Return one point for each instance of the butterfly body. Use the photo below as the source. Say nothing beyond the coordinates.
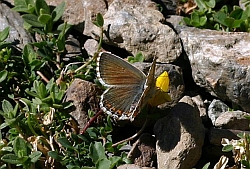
(128, 88)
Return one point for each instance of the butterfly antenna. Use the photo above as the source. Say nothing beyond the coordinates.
(135, 135)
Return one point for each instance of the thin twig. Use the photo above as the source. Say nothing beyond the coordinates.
(132, 137)
(42, 76)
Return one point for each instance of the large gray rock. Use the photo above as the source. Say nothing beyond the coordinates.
(180, 136)
(220, 62)
(18, 35)
(135, 26)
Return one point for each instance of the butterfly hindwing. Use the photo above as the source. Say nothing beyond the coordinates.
(120, 102)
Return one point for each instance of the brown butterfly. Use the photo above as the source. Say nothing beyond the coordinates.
(128, 88)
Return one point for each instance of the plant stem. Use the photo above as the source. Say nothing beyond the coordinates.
(91, 121)
(132, 137)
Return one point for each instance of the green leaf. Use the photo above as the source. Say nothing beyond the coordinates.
(203, 20)
(220, 17)
(229, 22)
(195, 19)
(32, 20)
(44, 18)
(64, 142)
(10, 158)
(4, 34)
(26, 6)
(14, 112)
(247, 117)
(236, 14)
(3, 125)
(8, 149)
(36, 84)
(31, 93)
(114, 161)
(3, 75)
(96, 152)
(210, 3)
(92, 132)
(41, 4)
(83, 138)
(28, 54)
(103, 163)
(6, 106)
(99, 20)
(42, 93)
(227, 148)
(20, 147)
(54, 155)
(245, 163)
(58, 12)
(187, 20)
(139, 57)
(206, 166)
(237, 23)
(61, 44)
(205, 4)
(35, 156)
(23, 159)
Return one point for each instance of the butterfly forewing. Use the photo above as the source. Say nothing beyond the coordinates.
(112, 70)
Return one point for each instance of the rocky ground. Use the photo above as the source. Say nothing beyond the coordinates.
(208, 73)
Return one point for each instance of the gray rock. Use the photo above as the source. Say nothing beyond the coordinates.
(135, 26)
(78, 11)
(215, 109)
(91, 46)
(84, 97)
(180, 136)
(72, 47)
(233, 120)
(143, 152)
(18, 35)
(220, 62)
(133, 166)
(202, 108)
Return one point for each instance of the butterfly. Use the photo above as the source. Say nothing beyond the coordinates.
(128, 89)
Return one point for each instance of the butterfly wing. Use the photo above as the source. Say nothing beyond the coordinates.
(125, 85)
(149, 90)
(120, 102)
(114, 71)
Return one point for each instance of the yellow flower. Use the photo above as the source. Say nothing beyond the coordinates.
(161, 96)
